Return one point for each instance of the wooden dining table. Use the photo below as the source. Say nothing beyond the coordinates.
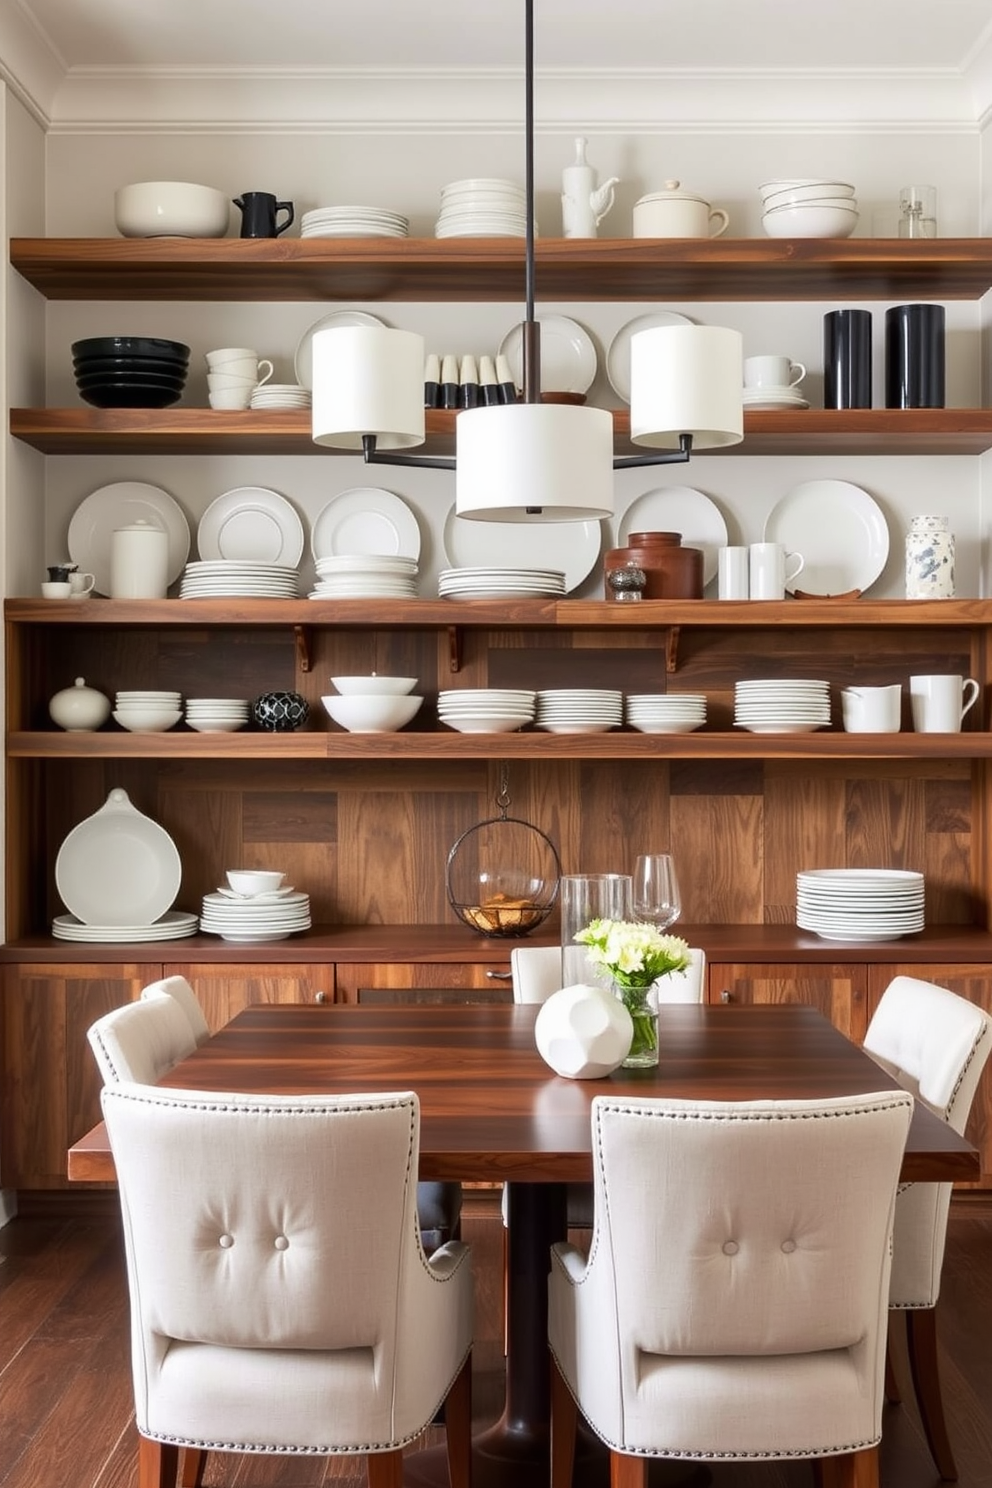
(491, 1109)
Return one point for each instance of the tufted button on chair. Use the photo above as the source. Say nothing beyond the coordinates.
(733, 1302)
(936, 1045)
(179, 988)
(141, 1040)
(264, 1318)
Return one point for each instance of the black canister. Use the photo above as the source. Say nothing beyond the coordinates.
(914, 356)
(847, 359)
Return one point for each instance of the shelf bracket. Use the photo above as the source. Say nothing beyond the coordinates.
(672, 649)
(454, 648)
(302, 635)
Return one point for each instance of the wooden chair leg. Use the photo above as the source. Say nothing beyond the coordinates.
(158, 1464)
(194, 1462)
(627, 1471)
(458, 1428)
(564, 1425)
(384, 1469)
(850, 1470)
(892, 1394)
(921, 1338)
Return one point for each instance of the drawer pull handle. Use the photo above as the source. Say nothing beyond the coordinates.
(725, 995)
(500, 976)
(320, 997)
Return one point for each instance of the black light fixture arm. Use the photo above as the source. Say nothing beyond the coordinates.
(657, 457)
(375, 456)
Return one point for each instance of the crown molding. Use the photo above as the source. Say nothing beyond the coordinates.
(29, 64)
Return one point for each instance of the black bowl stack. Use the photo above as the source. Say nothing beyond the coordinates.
(130, 371)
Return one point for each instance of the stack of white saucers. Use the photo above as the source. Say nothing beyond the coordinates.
(666, 712)
(217, 715)
(281, 395)
(217, 577)
(175, 924)
(251, 918)
(499, 583)
(148, 711)
(354, 222)
(482, 208)
(486, 710)
(579, 710)
(860, 903)
(365, 576)
(782, 705)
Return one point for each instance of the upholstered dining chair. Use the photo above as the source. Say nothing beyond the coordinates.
(264, 1319)
(936, 1044)
(179, 988)
(141, 1040)
(733, 1302)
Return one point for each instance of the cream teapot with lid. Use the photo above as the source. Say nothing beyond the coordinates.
(674, 213)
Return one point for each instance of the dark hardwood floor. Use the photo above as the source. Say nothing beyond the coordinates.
(65, 1392)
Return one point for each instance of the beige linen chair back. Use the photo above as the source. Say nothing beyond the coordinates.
(141, 1040)
(734, 1298)
(179, 988)
(537, 972)
(263, 1317)
(683, 986)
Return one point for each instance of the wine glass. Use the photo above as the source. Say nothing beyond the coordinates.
(654, 895)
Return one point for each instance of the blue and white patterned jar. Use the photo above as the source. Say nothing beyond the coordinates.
(929, 559)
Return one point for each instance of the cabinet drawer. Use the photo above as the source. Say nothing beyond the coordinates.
(425, 981)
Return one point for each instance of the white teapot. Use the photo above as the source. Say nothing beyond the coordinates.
(677, 214)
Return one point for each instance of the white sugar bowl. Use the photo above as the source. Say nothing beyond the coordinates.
(673, 213)
(79, 708)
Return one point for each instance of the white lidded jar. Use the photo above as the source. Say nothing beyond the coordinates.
(929, 559)
(139, 561)
(79, 708)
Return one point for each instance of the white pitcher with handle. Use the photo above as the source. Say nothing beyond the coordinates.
(583, 203)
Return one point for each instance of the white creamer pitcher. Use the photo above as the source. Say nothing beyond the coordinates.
(139, 561)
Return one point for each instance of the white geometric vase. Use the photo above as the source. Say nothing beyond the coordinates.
(583, 1032)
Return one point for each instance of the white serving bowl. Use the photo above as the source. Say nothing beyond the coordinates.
(147, 720)
(374, 686)
(811, 184)
(810, 222)
(253, 880)
(171, 209)
(371, 714)
(788, 199)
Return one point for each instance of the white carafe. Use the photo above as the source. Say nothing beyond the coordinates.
(139, 561)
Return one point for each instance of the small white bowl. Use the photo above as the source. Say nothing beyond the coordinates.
(374, 714)
(253, 880)
(374, 686)
(171, 209)
(787, 199)
(810, 222)
(813, 184)
(147, 720)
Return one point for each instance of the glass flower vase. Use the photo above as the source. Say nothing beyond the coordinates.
(644, 1016)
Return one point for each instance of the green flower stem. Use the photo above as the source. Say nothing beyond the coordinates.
(635, 1000)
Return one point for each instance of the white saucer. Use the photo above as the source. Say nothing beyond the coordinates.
(773, 397)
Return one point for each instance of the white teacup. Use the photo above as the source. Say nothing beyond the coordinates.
(55, 590)
(218, 359)
(255, 376)
(770, 568)
(239, 397)
(772, 372)
(939, 702)
(80, 585)
(872, 710)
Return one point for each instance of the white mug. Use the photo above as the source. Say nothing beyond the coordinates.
(770, 568)
(872, 710)
(80, 584)
(772, 372)
(732, 574)
(940, 702)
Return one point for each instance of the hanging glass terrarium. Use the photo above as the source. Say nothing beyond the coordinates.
(503, 874)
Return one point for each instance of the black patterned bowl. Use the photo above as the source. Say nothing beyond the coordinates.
(279, 712)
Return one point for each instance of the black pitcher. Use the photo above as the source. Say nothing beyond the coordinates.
(260, 214)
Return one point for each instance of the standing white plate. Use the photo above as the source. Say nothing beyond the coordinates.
(251, 524)
(618, 355)
(120, 505)
(571, 548)
(366, 521)
(303, 361)
(568, 357)
(118, 867)
(840, 531)
(679, 509)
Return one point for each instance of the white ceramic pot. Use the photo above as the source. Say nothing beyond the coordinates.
(79, 708)
(929, 559)
(677, 214)
(583, 1032)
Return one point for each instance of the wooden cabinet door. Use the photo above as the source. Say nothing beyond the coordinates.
(425, 981)
(838, 990)
(224, 990)
(973, 982)
(51, 1085)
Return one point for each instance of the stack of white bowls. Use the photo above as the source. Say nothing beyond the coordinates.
(579, 710)
(666, 712)
(808, 208)
(217, 715)
(486, 710)
(482, 208)
(148, 710)
(372, 704)
(365, 576)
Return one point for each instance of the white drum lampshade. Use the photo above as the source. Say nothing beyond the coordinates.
(534, 462)
(368, 380)
(686, 380)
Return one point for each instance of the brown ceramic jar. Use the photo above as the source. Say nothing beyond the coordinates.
(673, 572)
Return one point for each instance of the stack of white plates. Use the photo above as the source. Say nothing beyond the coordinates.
(217, 715)
(782, 705)
(217, 577)
(666, 712)
(354, 222)
(499, 583)
(482, 208)
(281, 395)
(175, 924)
(579, 710)
(486, 710)
(247, 919)
(364, 576)
(148, 711)
(860, 903)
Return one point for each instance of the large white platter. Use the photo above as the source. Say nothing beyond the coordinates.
(618, 355)
(366, 521)
(679, 509)
(118, 867)
(120, 505)
(568, 356)
(572, 548)
(303, 360)
(251, 524)
(840, 531)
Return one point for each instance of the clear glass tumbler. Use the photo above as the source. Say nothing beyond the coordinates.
(586, 897)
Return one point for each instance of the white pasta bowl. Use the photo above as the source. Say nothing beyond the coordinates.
(171, 209)
(374, 686)
(810, 221)
(147, 720)
(371, 713)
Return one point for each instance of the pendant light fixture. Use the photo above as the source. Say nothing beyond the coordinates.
(530, 461)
